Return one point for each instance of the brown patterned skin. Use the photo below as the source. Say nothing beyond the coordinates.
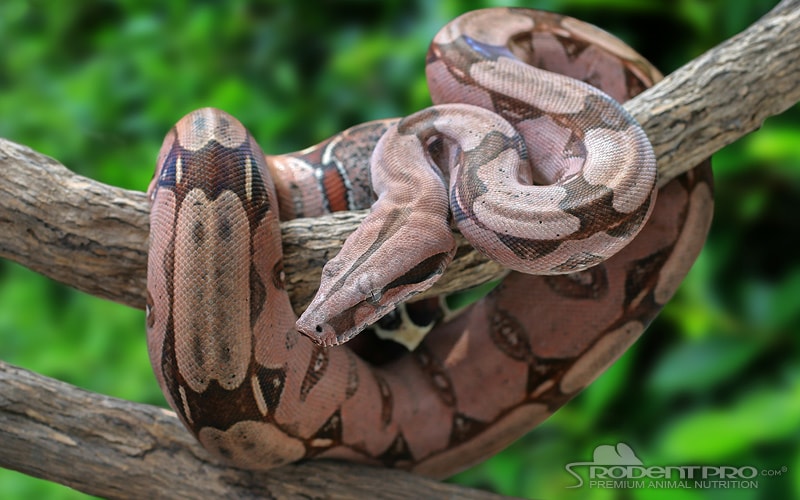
(221, 332)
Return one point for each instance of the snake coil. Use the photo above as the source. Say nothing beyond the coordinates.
(536, 166)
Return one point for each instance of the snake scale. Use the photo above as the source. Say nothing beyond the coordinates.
(522, 154)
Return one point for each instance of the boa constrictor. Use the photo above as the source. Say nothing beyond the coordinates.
(541, 171)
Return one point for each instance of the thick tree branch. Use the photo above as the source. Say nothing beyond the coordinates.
(724, 94)
(129, 450)
(94, 237)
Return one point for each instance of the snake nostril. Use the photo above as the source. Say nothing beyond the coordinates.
(319, 328)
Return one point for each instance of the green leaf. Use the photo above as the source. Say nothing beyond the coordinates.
(712, 435)
(698, 365)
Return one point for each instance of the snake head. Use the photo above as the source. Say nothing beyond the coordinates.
(379, 266)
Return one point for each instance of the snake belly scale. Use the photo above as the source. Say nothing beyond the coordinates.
(535, 166)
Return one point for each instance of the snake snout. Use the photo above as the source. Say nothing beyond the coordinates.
(319, 332)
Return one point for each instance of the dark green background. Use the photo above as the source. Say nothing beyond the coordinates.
(716, 379)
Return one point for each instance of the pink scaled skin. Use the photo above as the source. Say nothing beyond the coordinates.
(540, 171)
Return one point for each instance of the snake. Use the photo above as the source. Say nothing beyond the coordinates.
(526, 151)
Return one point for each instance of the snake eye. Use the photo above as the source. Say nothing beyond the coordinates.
(374, 297)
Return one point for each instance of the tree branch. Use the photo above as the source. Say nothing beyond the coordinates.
(129, 450)
(94, 237)
(724, 94)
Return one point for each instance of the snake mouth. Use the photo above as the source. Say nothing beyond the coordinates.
(338, 329)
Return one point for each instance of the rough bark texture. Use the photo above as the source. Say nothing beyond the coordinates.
(94, 237)
(117, 449)
(724, 94)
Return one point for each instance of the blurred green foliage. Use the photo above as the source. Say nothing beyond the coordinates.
(715, 380)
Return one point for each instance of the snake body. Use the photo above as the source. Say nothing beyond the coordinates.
(540, 171)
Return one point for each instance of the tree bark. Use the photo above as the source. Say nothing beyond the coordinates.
(118, 449)
(94, 237)
(724, 94)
